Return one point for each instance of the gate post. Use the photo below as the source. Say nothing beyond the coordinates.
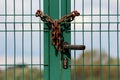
(53, 69)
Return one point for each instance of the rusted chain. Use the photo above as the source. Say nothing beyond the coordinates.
(55, 26)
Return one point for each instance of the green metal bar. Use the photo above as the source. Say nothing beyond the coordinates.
(40, 45)
(96, 65)
(31, 72)
(80, 15)
(40, 51)
(67, 30)
(108, 40)
(60, 9)
(92, 39)
(83, 71)
(5, 77)
(14, 43)
(118, 62)
(74, 44)
(66, 22)
(65, 9)
(46, 43)
(60, 14)
(23, 39)
(25, 64)
(100, 41)
(55, 70)
(69, 65)
(22, 30)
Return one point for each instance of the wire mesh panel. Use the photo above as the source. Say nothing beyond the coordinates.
(98, 29)
(21, 40)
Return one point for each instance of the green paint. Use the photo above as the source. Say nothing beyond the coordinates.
(54, 70)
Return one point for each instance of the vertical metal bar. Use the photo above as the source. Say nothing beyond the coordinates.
(46, 43)
(5, 77)
(50, 56)
(23, 39)
(66, 8)
(40, 41)
(100, 41)
(49, 40)
(118, 40)
(83, 72)
(60, 9)
(74, 50)
(60, 76)
(31, 76)
(92, 53)
(14, 44)
(108, 39)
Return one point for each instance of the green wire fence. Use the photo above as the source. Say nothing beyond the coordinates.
(98, 29)
(21, 40)
(22, 47)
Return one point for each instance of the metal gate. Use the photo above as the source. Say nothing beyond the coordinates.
(26, 52)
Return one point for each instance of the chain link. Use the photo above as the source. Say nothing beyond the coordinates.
(55, 26)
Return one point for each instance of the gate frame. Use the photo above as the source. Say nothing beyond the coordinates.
(53, 69)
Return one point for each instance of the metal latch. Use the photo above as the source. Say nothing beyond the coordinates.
(73, 47)
(66, 47)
